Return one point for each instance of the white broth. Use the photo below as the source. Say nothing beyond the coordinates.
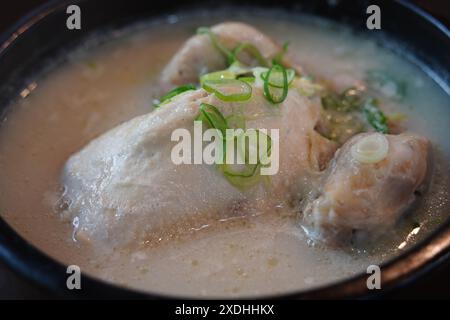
(106, 83)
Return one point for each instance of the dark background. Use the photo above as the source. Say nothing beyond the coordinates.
(434, 285)
(11, 10)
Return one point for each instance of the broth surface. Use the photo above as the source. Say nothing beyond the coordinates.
(105, 83)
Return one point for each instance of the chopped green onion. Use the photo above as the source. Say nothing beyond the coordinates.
(245, 148)
(234, 70)
(370, 149)
(277, 79)
(174, 92)
(247, 175)
(247, 79)
(213, 117)
(274, 95)
(245, 171)
(252, 50)
(279, 57)
(216, 43)
(259, 82)
(375, 117)
(238, 69)
(242, 181)
(291, 75)
(218, 75)
(229, 89)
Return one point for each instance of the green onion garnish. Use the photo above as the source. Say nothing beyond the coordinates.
(213, 117)
(244, 181)
(216, 43)
(277, 78)
(245, 148)
(218, 75)
(375, 116)
(246, 175)
(279, 57)
(245, 171)
(252, 50)
(247, 79)
(229, 89)
(257, 72)
(240, 175)
(238, 69)
(272, 93)
(234, 71)
(174, 92)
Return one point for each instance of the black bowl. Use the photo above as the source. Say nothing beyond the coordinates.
(38, 37)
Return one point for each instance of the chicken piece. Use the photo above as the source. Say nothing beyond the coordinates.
(199, 56)
(360, 198)
(123, 186)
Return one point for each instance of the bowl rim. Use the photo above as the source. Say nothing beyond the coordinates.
(20, 256)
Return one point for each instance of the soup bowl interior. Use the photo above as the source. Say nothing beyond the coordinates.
(34, 41)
